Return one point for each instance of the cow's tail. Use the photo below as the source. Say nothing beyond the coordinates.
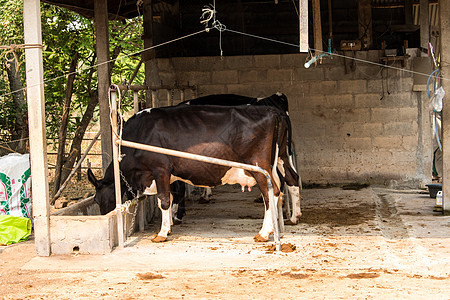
(289, 137)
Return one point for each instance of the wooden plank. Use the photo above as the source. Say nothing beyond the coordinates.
(424, 25)
(445, 72)
(151, 66)
(303, 25)
(317, 26)
(408, 12)
(104, 81)
(36, 123)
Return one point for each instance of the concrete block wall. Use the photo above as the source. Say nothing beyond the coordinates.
(353, 121)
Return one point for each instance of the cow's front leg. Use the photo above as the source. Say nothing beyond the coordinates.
(164, 203)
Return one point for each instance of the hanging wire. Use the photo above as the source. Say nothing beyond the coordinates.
(208, 14)
(107, 62)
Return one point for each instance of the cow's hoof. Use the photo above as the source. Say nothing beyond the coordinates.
(177, 221)
(289, 222)
(260, 239)
(203, 201)
(159, 239)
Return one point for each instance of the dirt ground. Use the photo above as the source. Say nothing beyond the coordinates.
(371, 243)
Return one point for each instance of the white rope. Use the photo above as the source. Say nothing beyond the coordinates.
(209, 14)
(107, 62)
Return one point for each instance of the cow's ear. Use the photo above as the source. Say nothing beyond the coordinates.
(92, 179)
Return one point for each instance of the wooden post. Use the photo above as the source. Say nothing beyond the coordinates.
(104, 81)
(181, 95)
(303, 25)
(444, 7)
(365, 23)
(408, 12)
(136, 101)
(169, 98)
(115, 159)
(317, 26)
(154, 97)
(149, 56)
(424, 25)
(36, 122)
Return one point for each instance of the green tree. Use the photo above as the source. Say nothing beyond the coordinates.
(69, 74)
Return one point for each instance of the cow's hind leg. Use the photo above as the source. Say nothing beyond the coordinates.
(268, 225)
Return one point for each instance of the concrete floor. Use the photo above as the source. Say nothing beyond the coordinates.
(371, 228)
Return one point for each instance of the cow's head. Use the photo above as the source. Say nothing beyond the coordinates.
(104, 193)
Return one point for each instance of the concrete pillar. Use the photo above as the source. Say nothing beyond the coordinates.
(36, 123)
(445, 73)
(104, 80)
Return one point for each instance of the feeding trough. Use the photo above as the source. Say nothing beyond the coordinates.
(434, 188)
(80, 228)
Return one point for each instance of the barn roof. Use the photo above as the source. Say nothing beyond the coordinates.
(117, 9)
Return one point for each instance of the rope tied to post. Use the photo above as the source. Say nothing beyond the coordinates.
(13, 48)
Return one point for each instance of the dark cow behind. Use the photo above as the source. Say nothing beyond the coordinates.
(246, 134)
(286, 169)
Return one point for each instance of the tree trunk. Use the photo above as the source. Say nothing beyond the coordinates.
(75, 148)
(64, 122)
(20, 128)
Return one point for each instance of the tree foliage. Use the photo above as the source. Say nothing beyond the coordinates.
(65, 33)
(68, 40)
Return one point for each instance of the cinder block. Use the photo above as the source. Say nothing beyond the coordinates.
(296, 90)
(352, 86)
(224, 77)
(400, 128)
(383, 115)
(165, 65)
(372, 129)
(184, 63)
(311, 74)
(247, 76)
(239, 62)
(292, 60)
(263, 89)
(208, 89)
(323, 87)
(195, 78)
(376, 86)
(241, 89)
(337, 72)
(387, 142)
(368, 100)
(210, 63)
(280, 75)
(374, 55)
(358, 144)
(410, 143)
(339, 101)
(312, 104)
(407, 113)
(267, 61)
(400, 100)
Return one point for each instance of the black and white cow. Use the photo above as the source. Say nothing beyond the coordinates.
(246, 134)
(286, 169)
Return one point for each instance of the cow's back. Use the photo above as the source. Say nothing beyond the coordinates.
(243, 134)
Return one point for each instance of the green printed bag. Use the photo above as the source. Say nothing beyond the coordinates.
(14, 229)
